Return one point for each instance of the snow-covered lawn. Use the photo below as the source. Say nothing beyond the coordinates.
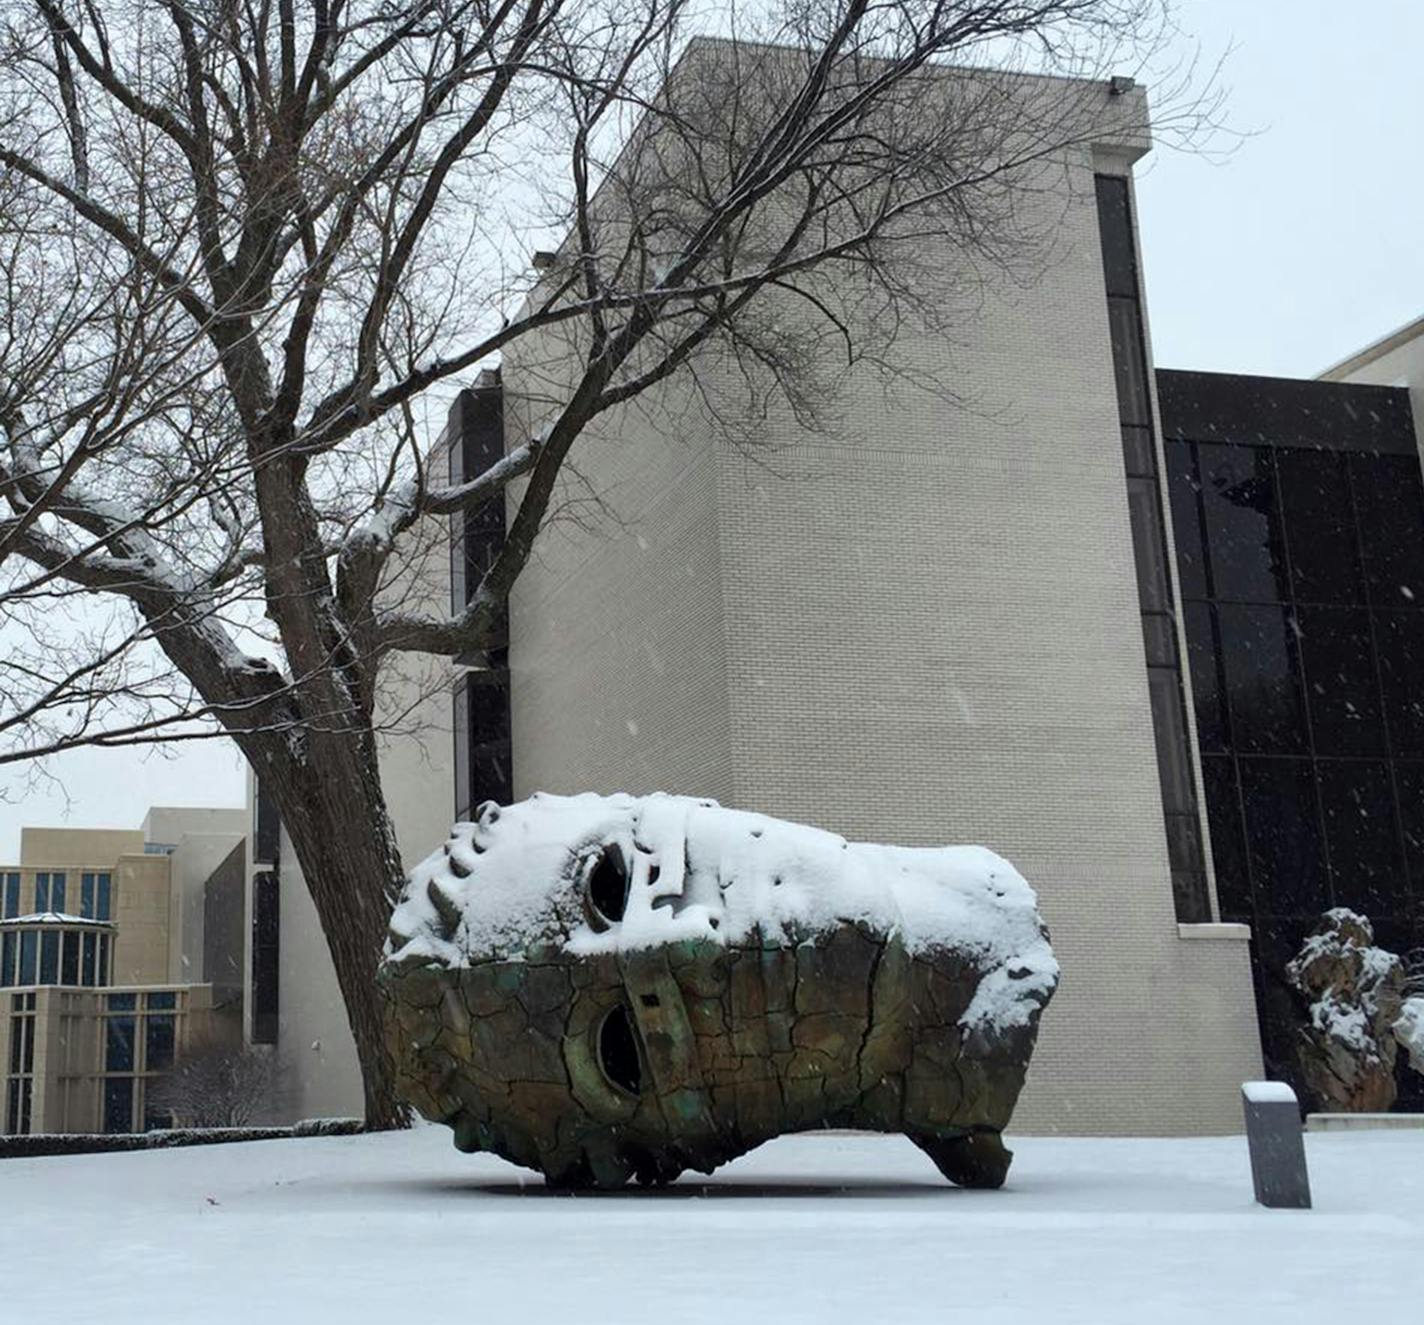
(401, 1228)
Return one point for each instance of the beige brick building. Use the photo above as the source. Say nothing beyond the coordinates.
(922, 628)
(116, 956)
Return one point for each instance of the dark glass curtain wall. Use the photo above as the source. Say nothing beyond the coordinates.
(1298, 514)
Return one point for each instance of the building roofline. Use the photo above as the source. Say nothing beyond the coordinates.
(1375, 350)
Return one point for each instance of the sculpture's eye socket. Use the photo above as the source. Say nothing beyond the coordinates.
(608, 886)
(618, 1051)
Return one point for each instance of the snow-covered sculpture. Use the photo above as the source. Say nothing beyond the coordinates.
(1409, 1030)
(611, 987)
(1352, 990)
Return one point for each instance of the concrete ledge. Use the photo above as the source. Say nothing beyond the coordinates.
(1218, 930)
(1364, 1122)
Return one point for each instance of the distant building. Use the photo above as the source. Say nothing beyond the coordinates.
(118, 951)
(1394, 360)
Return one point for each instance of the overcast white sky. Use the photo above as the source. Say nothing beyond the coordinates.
(1301, 247)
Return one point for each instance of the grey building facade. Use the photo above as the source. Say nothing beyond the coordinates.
(933, 623)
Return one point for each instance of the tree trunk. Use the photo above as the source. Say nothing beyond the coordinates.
(332, 807)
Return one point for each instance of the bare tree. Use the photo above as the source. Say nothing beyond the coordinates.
(242, 242)
(215, 1084)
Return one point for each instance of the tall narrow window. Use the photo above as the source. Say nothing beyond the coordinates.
(1144, 496)
(103, 908)
(49, 957)
(475, 440)
(11, 898)
(20, 1086)
(267, 827)
(266, 952)
(69, 959)
(41, 893)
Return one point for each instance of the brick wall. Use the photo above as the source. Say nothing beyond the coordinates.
(918, 627)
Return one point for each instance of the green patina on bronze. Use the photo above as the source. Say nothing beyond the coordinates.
(599, 1068)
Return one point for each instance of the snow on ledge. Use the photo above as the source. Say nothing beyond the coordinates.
(1268, 1092)
(522, 875)
(1215, 929)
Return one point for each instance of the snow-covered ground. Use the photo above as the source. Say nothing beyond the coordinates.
(401, 1228)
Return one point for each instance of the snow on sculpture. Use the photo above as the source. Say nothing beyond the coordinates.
(1409, 1031)
(602, 988)
(1352, 990)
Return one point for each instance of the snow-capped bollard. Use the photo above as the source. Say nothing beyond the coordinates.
(1273, 1135)
(610, 987)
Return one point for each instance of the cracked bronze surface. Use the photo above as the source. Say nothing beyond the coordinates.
(594, 1069)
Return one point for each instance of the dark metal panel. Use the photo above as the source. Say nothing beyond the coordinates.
(1284, 411)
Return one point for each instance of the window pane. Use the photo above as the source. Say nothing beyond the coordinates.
(1115, 231)
(12, 897)
(1206, 678)
(1137, 452)
(1183, 491)
(1399, 636)
(159, 1032)
(86, 896)
(1242, 531)
(1360, 831)
(1147, 546)
(88, 975)
(29, 953)
(118, 1105)
(56, 892)
(1409, 781)
(1341, 688)
(69, 967)
(1262, 679)
(1173, 766)
(1283, 836)
(105, 942)
(41, 892)
(49, 957)
(461, 720)
(119, 1044)
(167, 1000)
(7, 959)
(1320, 524)
(1390, 501)
(122, 1002)
(1125, 327)
(490, 776)
(1228, 842)
(1159, 639)
(102, 882)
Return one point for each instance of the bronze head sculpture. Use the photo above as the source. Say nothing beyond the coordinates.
(602, 988)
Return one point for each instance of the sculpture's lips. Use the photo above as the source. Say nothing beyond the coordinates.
(589, 874)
